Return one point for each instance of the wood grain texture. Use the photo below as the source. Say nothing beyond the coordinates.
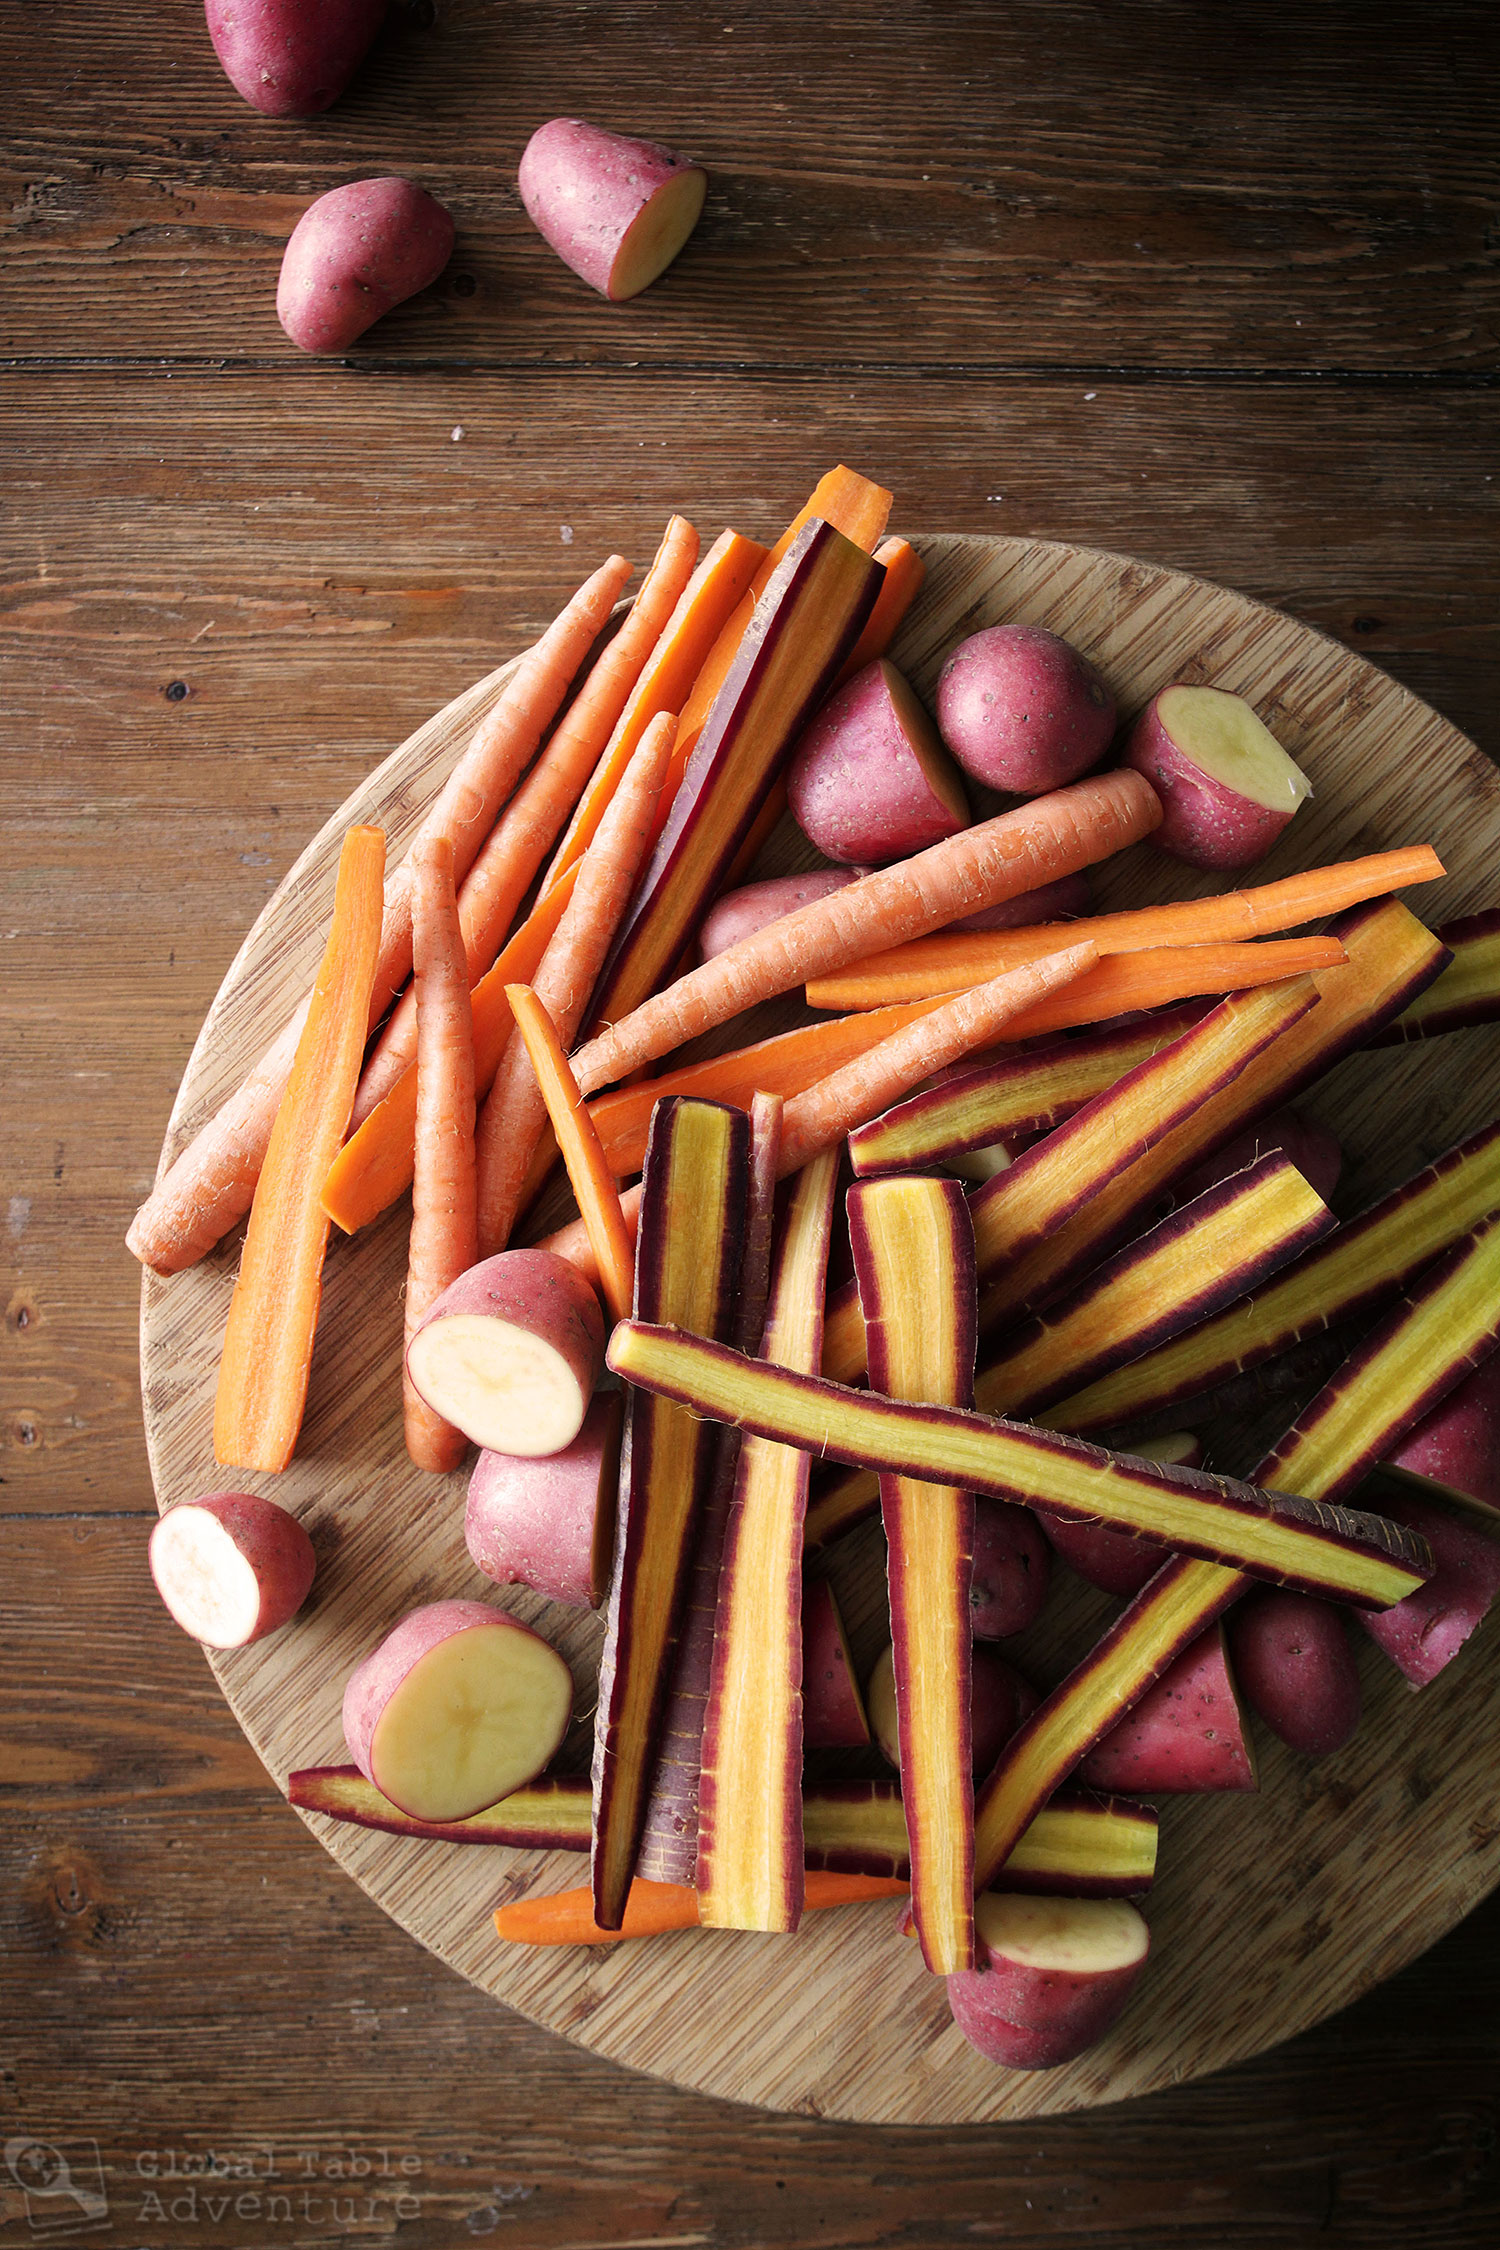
(843, 2021)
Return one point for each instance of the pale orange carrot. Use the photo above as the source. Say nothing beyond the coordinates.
(572, 1241)
(686, 638)
(652, 1909)
(274, 1311)
(1017, 851)
(594, 1189)
(949, 963)
(904, 575)
(504, 867)
(866, 1087)
(444, 1241)
(210, 1184)
(514, 1114)
(374, 1166)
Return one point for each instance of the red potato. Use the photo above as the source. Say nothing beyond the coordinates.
(511, 1352)
(1116, 1561)
(1226, 785)
(869, 781)
(1455, 1450)
(1316, 1153)
(1185, 1736)
(1021, 709)
(739, 914)
(289, 59)
(1062, 901)
(1002, 1700)
(548, 1521)
(1295, 1667)
(616, 210)
(1012, 1570)
(1057, 1972)
(1422, 1634)
(231, 1567)
(458, 1706)
(354, 254)
(833, 1710)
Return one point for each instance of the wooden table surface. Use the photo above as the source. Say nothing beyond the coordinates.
(1216, 286)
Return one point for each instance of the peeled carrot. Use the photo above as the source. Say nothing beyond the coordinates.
(567, 1917)
(905, 572)
(503, 869)
(948, 963)
(572, 1241)
(212, 1181)
(374, 1166)
(274, 1310)
(514, 1114)
(686, 638)
(851, 1097)
(593, 1185)
(1017, 851)
(444, 1238)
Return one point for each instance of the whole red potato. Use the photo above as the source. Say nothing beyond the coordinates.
(1023, 710)
(292, 58)
(354, 254)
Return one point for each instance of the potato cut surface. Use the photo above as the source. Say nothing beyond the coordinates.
(504, 1387)
(1072, 1935)
(473, 1719)
(653, 240)
(207, 1584)
(1224, 736)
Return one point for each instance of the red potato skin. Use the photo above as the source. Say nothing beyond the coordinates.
(833, 1710)
(538, 1291)
(1296, 1670)
(1315, 1151)
(288, 58)
(1063, 901)
(583, 188)
(1424, 1633)
(375, 1681)
(858, 787)
(739, 914)
(535, 1519)
(273, 1543)
(1457, 1446)
(1185, 1736)
(1030, 2018)
(1023, 710)
(354, 254)
(1012, 1570)
(1204, 822)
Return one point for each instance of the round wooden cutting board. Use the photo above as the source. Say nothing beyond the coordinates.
(1270, 1910)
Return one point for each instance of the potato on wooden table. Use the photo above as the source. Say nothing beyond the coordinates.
(292, 58)
(615, 209)
(354, 254)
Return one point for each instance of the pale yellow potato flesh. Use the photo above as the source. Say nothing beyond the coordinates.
(472, 1720)
(1072, 1936)
(1221, 733)
(504, 1387)
(653, 239)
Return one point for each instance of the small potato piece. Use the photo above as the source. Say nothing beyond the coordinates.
(1226, 785)
(231, 1567)
(1056, 1974)
(1454, 1452)
(1116, 1561)
(1012, 1569)
(1185, 1736)
(548, 1521)
(458, 1706)
(289, 58)
(739, 914)
(833, 1710)
(1023, 710)
(1001, 1700)
(1424, 1633)
(1295, 1667)
(511, 1351)
(869, 781)
(616, 210)
(354, 254)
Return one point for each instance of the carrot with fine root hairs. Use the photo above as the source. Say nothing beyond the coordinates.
(572, 1241)
(1017, 851)
(514, 1114)
(444, 1241)
(686, 638)
(905, 572)
(274, 1311)
(503, 868)
(851, 1097)
(374, 1166)
(593, 1185)
(948, 964)
(210, 1184)
(652, 1909)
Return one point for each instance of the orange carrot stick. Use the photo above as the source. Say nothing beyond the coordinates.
(904, 574)
(274, 1310)
(598, 1197)
(567, 1917)
(514, 1114)
(686, 638)
(1017, 851)
(374, 1166)
(211, 1183)
(503, 869)
(572, 1241)
(949, 963)
(444, 1238)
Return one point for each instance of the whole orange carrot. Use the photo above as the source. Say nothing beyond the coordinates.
(567, 1917)
(593, 1185)
(443, 1225)
(274, 1310)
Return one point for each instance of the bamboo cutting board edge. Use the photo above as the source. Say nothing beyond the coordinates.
(842, 2021)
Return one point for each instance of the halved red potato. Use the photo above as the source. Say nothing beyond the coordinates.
(231, 1566)
(1422, 1634)
(1057, 1972)
(869, 781)
(1186, 1735)
(548, 1521)
(1454, 1452)
(615, 209)
(1294, 1666)
(1226, 785)
(459, 1705)
(511, 1352)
